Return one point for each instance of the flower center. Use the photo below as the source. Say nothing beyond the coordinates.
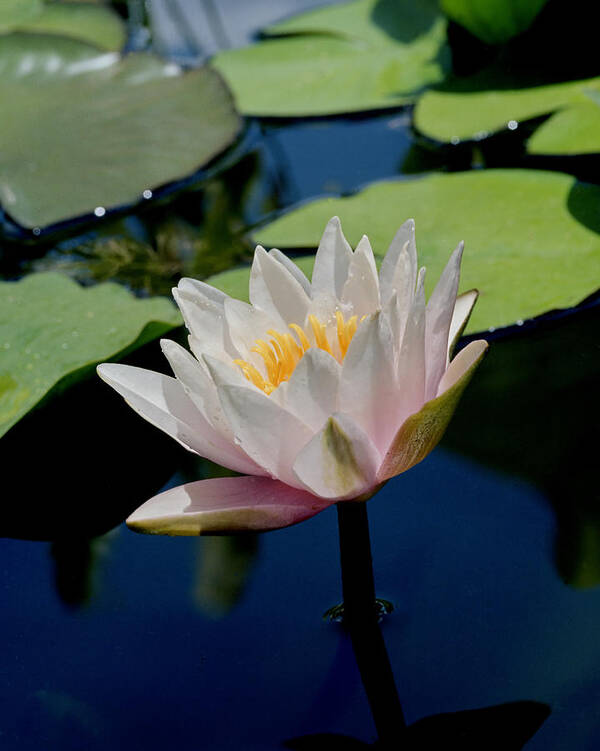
(282, 352)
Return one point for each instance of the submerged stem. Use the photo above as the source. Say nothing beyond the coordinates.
(361, 620)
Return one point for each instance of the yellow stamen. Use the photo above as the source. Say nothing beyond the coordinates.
(319, 332)
(282, 352)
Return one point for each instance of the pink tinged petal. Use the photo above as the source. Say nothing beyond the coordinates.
(464, 362)
(294, 270)
(331, 262)
(246, 324)
(275, 290)
(460, 317)
(340, 462)
(225, 505)
(361, 290)
(439, 315)
(411, 361)
(312, 391)
(272, 436)
(368, 388)
(422, 431)
(162, 401)
(399, 267)
(391, 312)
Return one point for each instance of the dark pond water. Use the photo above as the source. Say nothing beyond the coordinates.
(489, 549)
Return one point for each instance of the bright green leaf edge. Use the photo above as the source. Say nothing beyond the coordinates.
(484, 104)
(493, 21)
(53, 332)
(574, 130)
(95, 24)
(529, 242)
(338, 59)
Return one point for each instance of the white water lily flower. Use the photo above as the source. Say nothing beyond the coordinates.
(316, 392)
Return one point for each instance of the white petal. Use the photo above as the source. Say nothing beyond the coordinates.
(246, 324)
(461, 363)
(340, 462)
(274, 290)
(439, 314)
(162, 401)
(361, 290)
(201, 290)
(368, 389)
(202, 307)
(312, 391)
(198, 384)
(269, 434)
(411, 362)
(331, 262)
(399, 267)
(460, 317)
(294, 270)
(224, 505)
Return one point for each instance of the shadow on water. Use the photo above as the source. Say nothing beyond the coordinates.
(504, 727)
(417, 18)
(581, 208)
(79, 466)
(533, 411)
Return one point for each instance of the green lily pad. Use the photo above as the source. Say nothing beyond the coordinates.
(96, 24)
(80, 130)
(493, 21)
(366, 54)
(479, 105)
(574, 130)
(13, 12)
(531, 237)
(53, 332)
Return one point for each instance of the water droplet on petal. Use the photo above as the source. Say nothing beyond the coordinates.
(513, 124)
(147, 194)
(99, 211)
(36, 231)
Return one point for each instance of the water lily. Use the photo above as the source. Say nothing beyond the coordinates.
(316, 392)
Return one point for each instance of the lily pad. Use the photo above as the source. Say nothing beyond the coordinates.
(53, 332)
(366, 54)
(493, 21)
(479, 105)
(531, 237)
(82, 130)
(574, 130)
(13, 12)
(95, 24)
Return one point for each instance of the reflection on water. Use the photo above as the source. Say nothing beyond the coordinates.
(223, 570)
(505, 727)
(535, 407)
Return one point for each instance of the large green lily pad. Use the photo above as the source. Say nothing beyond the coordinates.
(52, 332)
(479, 105)
(574, 130)
(82, 130)
(493, 21)
(531, 237)
(366, 54)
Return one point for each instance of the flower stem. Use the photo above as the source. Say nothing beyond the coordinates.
(361, 620)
